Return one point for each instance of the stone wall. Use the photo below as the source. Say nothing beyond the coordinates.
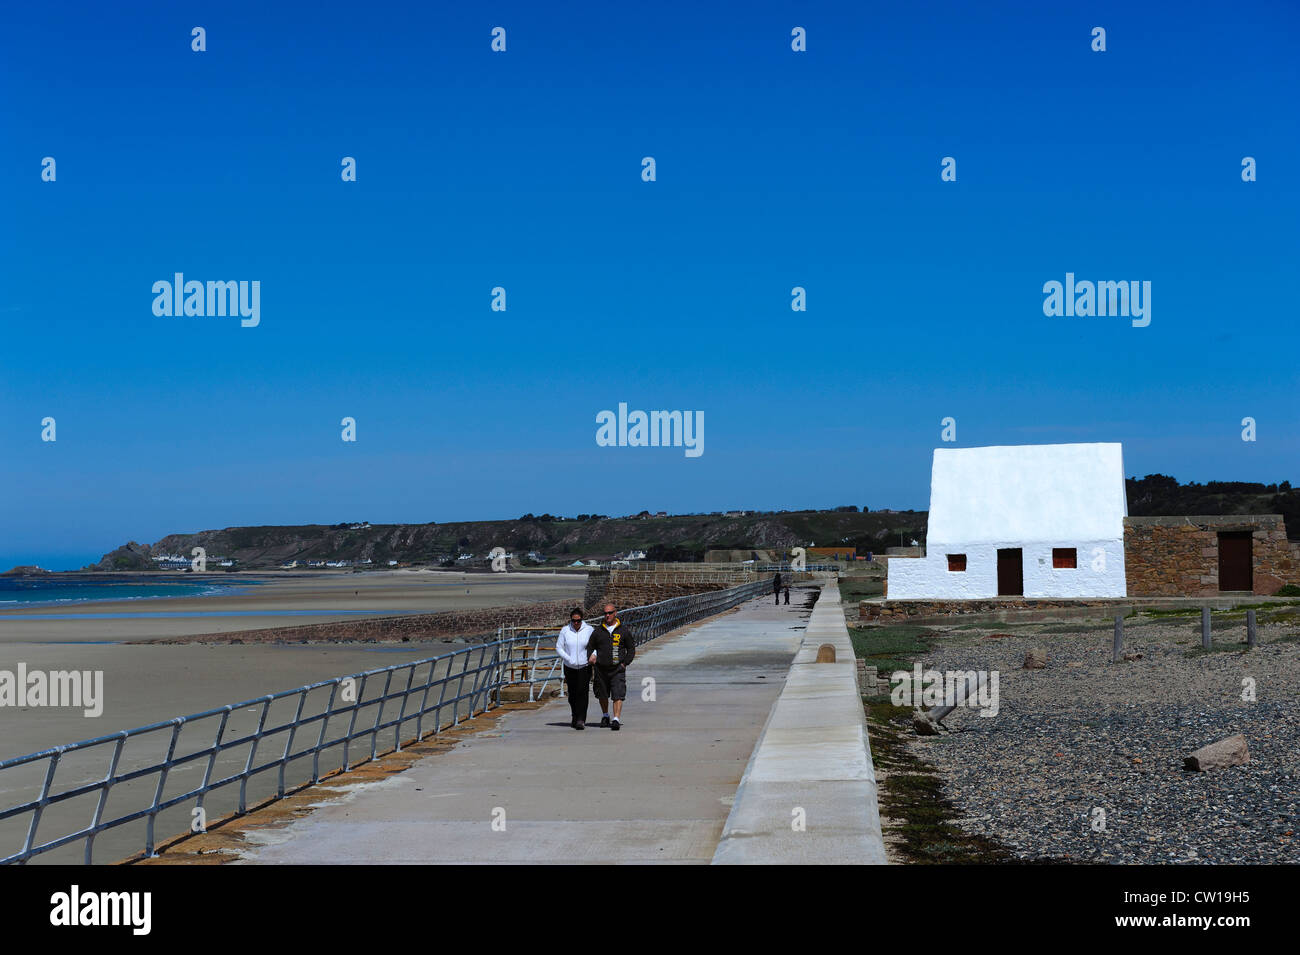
(890, 611)
(597, 584)
(411, 628)
(634, 588)
(1179, 556)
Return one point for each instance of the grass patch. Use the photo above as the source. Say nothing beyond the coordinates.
(1234, 646)
(1200, 651)
(911, 797)
(1078, 627)
(1273, 605)
(892, 647)
(853, 589)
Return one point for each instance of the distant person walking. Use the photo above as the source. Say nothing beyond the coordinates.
(776, 587)
(787, 595)
(571, 645)
(612, 649)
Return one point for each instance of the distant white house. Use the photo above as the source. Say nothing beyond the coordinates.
(1034, 520)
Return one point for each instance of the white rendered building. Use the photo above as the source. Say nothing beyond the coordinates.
(1041, 520)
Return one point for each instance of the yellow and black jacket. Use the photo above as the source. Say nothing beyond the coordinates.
(612, 648)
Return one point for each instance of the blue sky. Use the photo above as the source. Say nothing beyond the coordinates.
(522, 170)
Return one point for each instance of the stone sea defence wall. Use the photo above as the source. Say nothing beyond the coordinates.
(411, 628)
(634, 588)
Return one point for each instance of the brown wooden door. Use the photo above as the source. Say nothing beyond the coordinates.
(1011, 572)
(1234, 561)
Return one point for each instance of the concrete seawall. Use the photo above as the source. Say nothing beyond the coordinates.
(812, 764)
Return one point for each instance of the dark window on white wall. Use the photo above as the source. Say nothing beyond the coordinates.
(1065, 557)
(956, 561)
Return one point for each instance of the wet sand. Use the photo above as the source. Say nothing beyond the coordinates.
(279, 600)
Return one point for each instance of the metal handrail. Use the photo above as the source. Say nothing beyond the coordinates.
(642, 623)
(485, 667)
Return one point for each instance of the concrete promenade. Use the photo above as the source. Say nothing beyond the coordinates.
(657, 791)
(812, 764)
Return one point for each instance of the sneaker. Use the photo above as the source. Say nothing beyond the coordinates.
(615, 725)
(604, 721)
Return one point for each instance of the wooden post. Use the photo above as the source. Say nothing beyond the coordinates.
(1117, 650)
(966, 690)
(1205, 628)
(1250, 629)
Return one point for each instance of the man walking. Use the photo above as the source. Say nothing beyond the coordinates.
(776, 588)
(571, 645)
(612, 650)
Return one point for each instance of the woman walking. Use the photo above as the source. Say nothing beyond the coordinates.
(571, 645)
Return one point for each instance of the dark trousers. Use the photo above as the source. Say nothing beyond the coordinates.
(777, 597)
(577, 684)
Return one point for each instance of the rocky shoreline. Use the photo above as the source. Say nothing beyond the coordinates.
(1084, 760)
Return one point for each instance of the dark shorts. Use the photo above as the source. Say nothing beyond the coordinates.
(611, 683)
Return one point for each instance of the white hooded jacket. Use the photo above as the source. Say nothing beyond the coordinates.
(571, 645)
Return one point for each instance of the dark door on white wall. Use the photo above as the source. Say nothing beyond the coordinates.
(1011, 572)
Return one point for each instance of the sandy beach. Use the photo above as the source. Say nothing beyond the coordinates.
(282, 599)
(148, 683)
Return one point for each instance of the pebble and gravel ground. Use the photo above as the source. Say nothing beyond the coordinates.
(1085, 734)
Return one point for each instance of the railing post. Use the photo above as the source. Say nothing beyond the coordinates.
(288, 743)
(424, 701)
(401, 713)
(1117, 648)
(162, 781)
(1205, 628)
(41, 803)
(379, 715)
(1250, 629)
(324, 726)
(252, 754)
(352, 723)
(103, 795)
(460, 691)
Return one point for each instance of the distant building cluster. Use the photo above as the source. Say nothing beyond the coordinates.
(181, 562)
